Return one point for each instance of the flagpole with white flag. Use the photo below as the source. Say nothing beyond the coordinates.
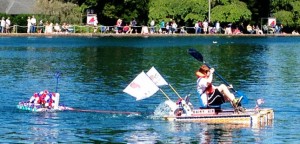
(142, 87)
(158, 79)
(175, 91)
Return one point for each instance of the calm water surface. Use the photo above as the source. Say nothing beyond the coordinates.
(95, 70)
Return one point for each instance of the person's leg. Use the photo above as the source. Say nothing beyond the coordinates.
(229, 96)
(225, 91)
(216, 98)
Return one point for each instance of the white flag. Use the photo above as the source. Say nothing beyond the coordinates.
(156, 77)
(141, 87)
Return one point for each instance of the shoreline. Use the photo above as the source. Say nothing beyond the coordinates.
(138, 35)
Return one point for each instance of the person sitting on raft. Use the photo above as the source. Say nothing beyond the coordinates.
(44, 98)
(210, 94)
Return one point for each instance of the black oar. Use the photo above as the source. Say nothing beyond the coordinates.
(197, 55)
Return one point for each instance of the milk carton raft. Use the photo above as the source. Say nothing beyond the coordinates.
(42, 101)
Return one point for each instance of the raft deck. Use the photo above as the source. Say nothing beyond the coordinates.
(251, 117)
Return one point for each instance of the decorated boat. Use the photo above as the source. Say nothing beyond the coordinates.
(147, 84)
(42, 102)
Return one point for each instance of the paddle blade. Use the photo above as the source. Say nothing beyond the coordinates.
(195, 54)
(245, 98)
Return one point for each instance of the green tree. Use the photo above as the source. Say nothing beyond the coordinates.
(195, 10)
(259, 9)
(286, 12)
(231, 12)
(58, 11)
(296, 12)
(179, 10)
(285, 17)
(125, 10)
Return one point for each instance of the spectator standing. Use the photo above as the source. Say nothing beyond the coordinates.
(33, 24)
(152, 23)
(118, 26)
(218, 30)
(196, 27)
(57, 28)
(228, 29)
(167, 28)
(250, 29)
(144, 30)
(41, 26)
(174, 27)
(205, 27)
(7, 25)
(28, 24)
(278, 29)
(170, 26)
(258, 30)
(95, 25)
(133, 25)
(200, 26)
(242, 28)
(2, 25)
(162, 28)
(64, 27)
(48, 28)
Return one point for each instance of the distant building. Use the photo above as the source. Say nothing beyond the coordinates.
(17, 6)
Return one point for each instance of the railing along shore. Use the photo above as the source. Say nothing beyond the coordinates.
(76, 30)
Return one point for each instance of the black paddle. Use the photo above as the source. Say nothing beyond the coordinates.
(197, 55)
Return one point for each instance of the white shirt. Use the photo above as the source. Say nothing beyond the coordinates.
(28, 22)
(202, 84)
(174, 25)
(95, 22)
(33, 21)
(196, 25)
(152, 23)
(217, 25)
(3, 23)
(205, 24)
(7, 22)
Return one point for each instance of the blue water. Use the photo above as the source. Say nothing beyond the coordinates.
(95, 70)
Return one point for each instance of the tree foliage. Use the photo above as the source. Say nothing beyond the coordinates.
(185, 10)
(231, 12)
(287, 12)
(285, 17)
(296, 12)
(58, 11)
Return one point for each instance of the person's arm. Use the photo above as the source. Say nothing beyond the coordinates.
(210, 77)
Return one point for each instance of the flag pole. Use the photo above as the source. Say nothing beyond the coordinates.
(164, 94)
(174, 91)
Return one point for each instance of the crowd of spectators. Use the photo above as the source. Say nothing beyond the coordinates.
(47, 27)
(200, 27)
(153, 27)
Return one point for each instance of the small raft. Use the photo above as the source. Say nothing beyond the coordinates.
(39, 108)
(250, 117)
(43, 101)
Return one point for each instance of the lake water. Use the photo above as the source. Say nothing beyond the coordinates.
(95, 70)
